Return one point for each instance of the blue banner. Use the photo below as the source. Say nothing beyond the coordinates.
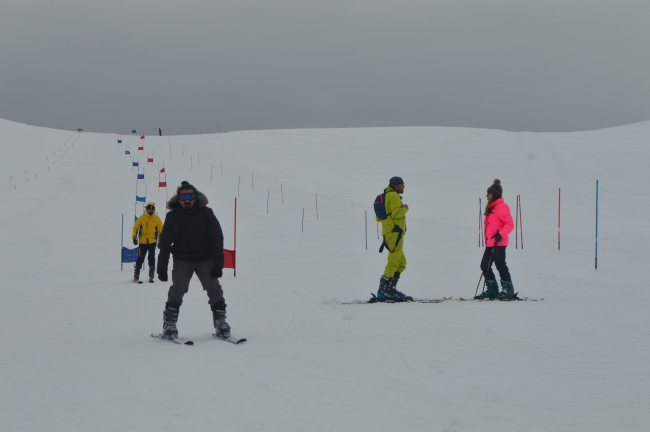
(141, 199)
(119, 141)
(135, 163)
(141, 176)
(129, 255)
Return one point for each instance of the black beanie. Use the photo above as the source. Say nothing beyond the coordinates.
(185, 185)
(394, 181)
(496, 189)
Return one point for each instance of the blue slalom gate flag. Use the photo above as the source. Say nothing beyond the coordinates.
(140, 199)
(119, 141)
(129, 255)
(135, 163)
(127, 152)
(133, 131)
(140, 176)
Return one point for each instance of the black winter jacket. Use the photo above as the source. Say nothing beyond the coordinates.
(192, 235)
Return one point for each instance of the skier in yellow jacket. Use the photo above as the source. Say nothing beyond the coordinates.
(393, 228)
(149, 227)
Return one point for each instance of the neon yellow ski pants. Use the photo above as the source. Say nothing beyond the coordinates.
(396, 259)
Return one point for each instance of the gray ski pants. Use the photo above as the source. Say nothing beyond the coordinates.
(181, 275)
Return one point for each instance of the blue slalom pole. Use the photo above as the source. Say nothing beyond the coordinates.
(596, 258)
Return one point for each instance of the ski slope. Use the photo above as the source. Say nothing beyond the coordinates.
(76, 353)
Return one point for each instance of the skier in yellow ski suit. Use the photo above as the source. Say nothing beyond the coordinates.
(149, 227)
(393, 229)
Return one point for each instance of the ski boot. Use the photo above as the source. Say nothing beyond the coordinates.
(151, 272)
(386, 291)
(221, 327)
(393, 283)
(491, 293)
(508, 292)
(136, 273)
(170, 317)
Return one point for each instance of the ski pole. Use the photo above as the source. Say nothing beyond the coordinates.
(479, 282)
(489, 265)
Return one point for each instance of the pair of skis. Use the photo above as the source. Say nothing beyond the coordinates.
(374, 300)
(230, 339)
(503, 300)
(416, 300)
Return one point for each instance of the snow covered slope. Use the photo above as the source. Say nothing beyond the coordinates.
(76, 352)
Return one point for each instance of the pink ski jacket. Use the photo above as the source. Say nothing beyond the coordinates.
(500, 220)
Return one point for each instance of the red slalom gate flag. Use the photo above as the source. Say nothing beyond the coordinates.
(162, 170)
(162, 184)
(142, 137)
(228, 258)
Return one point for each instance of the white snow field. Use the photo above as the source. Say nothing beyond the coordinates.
(76, 354)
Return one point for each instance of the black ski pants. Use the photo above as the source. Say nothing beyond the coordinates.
(142, 252)
(496, 255)
(181, 275)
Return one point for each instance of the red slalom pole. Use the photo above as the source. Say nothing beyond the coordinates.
(521, 222)
(234, 264)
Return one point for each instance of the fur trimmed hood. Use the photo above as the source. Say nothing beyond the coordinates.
(174, 203)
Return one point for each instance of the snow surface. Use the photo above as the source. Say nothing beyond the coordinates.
(76, 353)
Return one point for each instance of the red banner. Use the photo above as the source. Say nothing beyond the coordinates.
(228, 258)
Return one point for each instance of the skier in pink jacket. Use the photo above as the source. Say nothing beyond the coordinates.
(498, 224)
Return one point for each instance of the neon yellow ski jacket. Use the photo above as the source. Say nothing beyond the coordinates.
(149, 228)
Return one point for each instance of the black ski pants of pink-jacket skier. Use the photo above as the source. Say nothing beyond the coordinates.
(497, 256)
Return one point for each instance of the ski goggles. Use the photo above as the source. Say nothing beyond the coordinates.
(186, 197)
(151, 207)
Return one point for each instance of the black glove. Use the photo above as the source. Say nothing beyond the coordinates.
(497, 237)
(135, 242)
(216, 272)
(163, 277)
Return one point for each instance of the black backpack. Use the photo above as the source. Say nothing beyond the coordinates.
(380, 212)
(380, 207)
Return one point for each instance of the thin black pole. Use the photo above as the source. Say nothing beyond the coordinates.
(303, 219)
(596, 258)
(366, 229)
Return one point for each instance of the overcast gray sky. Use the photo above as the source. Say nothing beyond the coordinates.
(109, 66)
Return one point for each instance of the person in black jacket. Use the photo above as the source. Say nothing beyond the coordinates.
(192, 234)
